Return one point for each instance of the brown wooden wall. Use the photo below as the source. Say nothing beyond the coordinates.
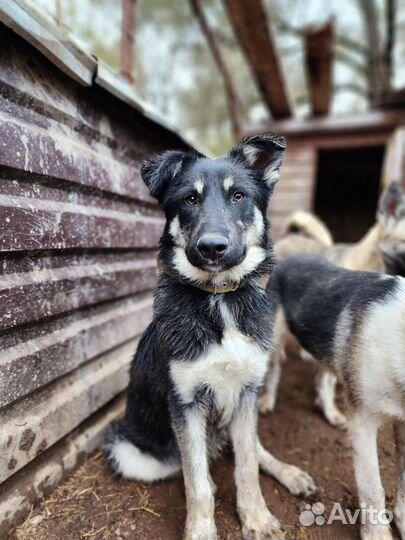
(78, 240)
(295, 188)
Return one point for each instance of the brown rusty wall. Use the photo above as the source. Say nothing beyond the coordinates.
(78, 240)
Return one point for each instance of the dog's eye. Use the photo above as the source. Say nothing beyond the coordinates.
(192, 200)
(238, 196)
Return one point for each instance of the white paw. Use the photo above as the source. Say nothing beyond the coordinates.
(267, 403)
(297, 481)
(376, 533)
(337, 419)
(262, 528)
(203, 530)
(332, 415)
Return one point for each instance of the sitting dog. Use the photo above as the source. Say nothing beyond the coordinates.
(195, 376)
(381, 250)
(354, 322)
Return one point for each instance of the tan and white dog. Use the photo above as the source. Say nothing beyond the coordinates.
(382, 249)
(355, 322)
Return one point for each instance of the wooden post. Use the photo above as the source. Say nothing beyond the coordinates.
(252, 23)
(318, 46)
(128, 40)
(232, 95)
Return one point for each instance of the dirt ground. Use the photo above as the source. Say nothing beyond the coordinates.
(94, 504)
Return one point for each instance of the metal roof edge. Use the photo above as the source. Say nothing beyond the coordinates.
(58, 45)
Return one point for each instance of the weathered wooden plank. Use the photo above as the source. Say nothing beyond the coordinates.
(33, 187)
(21, 19)
(30, 224)
(318, 50)
(60, 154)
(35, 423)
(61, 346)
(289, 200)
(252, 24)
(42, 293)
(368, 123)
(291, 172)
(37, 479)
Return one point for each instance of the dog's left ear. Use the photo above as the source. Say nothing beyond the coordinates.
(262, 153)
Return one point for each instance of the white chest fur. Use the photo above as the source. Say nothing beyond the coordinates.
(226, 368)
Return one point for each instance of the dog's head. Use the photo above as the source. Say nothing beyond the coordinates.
(215, 209)
(391, 218)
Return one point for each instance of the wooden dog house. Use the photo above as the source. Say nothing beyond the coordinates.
(334, 167)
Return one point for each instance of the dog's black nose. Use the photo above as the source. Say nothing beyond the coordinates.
(212, 246)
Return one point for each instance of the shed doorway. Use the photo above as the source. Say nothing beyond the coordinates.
(347, 190)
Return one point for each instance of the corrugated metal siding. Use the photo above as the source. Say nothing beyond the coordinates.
(78, 240)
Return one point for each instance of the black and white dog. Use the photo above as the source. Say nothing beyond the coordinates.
(195, 377)
(355, 322)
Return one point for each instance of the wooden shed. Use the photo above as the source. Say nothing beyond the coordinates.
(78, 240)
(334, 167)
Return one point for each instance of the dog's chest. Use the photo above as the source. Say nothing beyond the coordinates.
(226, 369)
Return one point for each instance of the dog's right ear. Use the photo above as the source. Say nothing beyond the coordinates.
(262, 153)
(392, 202)
(158, 171)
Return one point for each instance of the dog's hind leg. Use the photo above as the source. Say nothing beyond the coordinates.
(293, 478)
(399, 511)
(363, 430)
(190, 428)
(267, 401)
(257, 522)
(326, 394)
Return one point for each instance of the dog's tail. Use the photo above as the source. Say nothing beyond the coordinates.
(127, 459)
(310, 226)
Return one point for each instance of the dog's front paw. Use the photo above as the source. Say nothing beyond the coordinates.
(297, 481)
(267, 403)
(201, 533)
(266, 528)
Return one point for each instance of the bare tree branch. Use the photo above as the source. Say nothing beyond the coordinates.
(128, 39)
(352, 45)
(290, 51)
(389, 46)
(232, 95)
(341, 40)
(348, 60)
(351, 87)
(379, 81)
